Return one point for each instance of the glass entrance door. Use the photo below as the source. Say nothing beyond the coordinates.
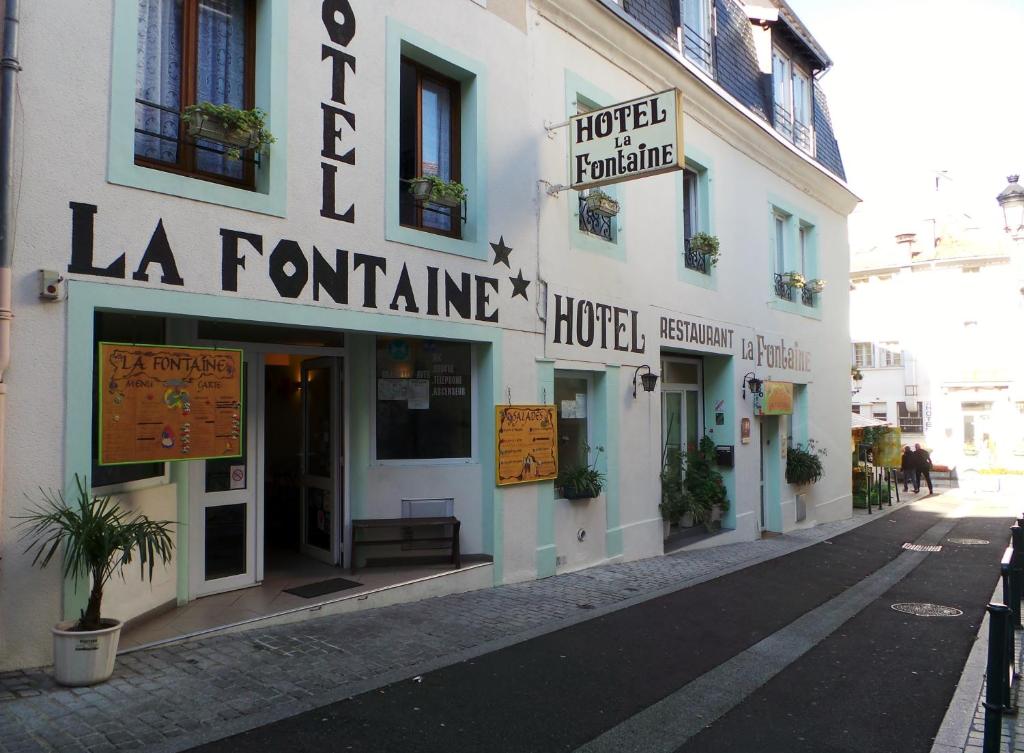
(680, 419)
(223, 506)
(321, 459)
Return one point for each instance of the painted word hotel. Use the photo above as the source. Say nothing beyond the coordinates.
(437, 317)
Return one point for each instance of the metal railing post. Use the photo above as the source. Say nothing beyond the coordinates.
(996, 676)
(1016, 563)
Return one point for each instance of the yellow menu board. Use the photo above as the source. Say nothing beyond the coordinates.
(888, 451)
(526, 443)
(162, 402)
(777, 400)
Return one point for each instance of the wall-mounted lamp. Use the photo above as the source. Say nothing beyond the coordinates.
(751, 381)
(647, 380)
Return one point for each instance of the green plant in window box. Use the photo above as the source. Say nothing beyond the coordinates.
(231, 126)
(706, 245)
(97, 540)
(437, 190)
(803, 463)
(816, 286)
(601, 203)
(794, 279)
(582, 482)
(704, 485)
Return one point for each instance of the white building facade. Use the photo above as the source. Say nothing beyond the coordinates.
(340, 290)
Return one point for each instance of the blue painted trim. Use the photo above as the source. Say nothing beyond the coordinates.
(719, 384)
(701, 164)
(270, 196)
(576, 87)
(472, 75)
(489, 369)
(771, 428)
(547, 552)
(795, 218)
(609, 401)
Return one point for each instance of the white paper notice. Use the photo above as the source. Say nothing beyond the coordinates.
(581, 405)
(238, 477)
(392, 389)
(419, 394)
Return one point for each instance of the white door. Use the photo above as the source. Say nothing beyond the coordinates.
(321, 459)
(224, 498)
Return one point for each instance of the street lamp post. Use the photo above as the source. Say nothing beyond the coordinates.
(1011, 200)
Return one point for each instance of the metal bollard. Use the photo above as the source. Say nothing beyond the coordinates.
(997, 675)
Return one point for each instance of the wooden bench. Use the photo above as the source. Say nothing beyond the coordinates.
(407, 528)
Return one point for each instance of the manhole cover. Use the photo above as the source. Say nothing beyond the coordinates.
(968, 542)
(927, 610)
(922, 547)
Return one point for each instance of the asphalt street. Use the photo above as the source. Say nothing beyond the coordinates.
(839, 674)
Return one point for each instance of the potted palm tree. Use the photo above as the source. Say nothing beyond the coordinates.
(98, 540)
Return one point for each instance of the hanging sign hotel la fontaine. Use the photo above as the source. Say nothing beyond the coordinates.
(161, 402)
(629, 140)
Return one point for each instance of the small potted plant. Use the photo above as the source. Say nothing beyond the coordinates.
(601, 203)
(856, 375)
(704, 484)
(98, 540)
(582, 482)
(437, 190)
(803, 463)
(225, 124)
(706, 245)
(674, 504)
(816, 285)
(794, 279)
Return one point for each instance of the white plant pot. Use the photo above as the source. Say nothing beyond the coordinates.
(84, 657)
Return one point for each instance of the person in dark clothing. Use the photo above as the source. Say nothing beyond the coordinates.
(907, 466)
(922, 466)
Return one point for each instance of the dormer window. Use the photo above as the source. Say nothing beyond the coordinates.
(695, 32)
(792, 91)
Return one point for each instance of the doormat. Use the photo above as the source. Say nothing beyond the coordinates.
(322, 587)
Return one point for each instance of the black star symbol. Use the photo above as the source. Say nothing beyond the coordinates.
(519, 285)
(501, 252)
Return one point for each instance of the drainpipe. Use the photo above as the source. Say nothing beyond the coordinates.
(9, 68)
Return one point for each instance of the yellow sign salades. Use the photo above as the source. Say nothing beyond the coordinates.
(777, 400)
(526, 443)
(887, 451)
(161, 402)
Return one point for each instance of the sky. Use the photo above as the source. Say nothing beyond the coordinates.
(920, 87)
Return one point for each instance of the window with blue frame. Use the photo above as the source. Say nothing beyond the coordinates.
(190, 52)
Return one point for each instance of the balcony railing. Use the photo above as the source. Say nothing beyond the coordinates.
(806, 296)
(594, 223)
(782, 288)
(694, 260)
(697, 48)
(792, 129)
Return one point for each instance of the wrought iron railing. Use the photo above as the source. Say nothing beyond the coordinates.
(695, 260)
(595, 223)
(782, 287)
(697, 48)
(794, 130)
(802, 136)
(783, 121)
(806, 296)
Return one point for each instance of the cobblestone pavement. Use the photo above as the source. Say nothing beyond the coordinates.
(172, 697)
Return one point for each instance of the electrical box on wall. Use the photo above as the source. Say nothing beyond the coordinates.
(51, 285)
(725, 455)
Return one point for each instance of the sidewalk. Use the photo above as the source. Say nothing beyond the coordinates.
(176, 696)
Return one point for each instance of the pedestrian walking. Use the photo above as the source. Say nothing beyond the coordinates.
(907, 466)
(922, 466)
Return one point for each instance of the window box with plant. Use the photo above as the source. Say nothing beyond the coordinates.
(601, 203)
(816, 286)
(582, 482)
(434, 190)
(239, 130)
(794, 279)
(706, 245)
(803, 463)
(97, 540)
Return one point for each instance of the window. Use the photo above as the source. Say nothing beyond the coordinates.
(696, 32)
(976, 426)
(691, 222)
(889, 354)
(911, 421)
(424, 399)
(572, 396)
(192, 51)
(129, 328)
(429, 136)
(879, 411)
(793, 93)
(863, 355)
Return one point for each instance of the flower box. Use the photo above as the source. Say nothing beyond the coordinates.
(601, 203)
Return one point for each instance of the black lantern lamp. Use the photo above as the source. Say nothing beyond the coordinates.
(647, 380)
(1011, 199)
(751, 381)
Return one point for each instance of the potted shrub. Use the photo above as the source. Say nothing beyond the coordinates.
(794, 279)
(706, 245)
(705, 488)
(816, 285)
(437, 190)
(674, 504)
(98, 539)
(582, 482)
(803, 463)
(228, 125)
(601, 203)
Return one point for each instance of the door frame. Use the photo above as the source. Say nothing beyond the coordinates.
(260, 349)
(338, 508)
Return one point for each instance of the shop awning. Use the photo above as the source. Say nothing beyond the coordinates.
(857, 421)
